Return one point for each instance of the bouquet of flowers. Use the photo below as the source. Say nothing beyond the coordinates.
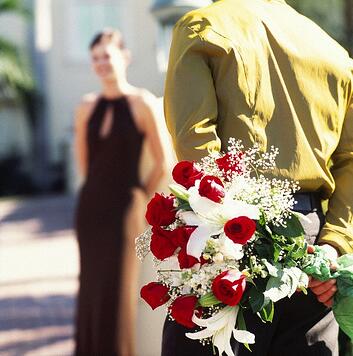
(227, 240)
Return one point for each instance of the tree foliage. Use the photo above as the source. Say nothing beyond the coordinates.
(15, 77)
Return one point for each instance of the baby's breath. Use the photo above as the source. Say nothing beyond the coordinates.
(246, 181)
(143, 244)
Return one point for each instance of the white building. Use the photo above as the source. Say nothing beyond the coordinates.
(57, 40)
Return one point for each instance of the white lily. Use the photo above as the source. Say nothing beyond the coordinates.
(229, 249)
(210, 218)
(221, 328)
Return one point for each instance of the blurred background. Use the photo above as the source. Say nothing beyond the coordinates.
(44, 71)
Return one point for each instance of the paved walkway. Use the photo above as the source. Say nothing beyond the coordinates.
(38, 276)
(38, 281)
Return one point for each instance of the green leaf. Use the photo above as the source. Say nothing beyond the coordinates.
(276, 252)
(264, 249)
(285, 284)
(264, 231)
(179, 191)
(293, 228)
(183, 205)
(208, 300)
(278, 287)
(14, 6)
(343, 311)
(256, 295)
(262, 220)
(267, 312)
(317, 265)
(299, 249)
(242, 325)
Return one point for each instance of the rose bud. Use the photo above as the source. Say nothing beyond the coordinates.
(229, 286)
(240, 229)
(155, 294)
(186, 173)
(185, 260)
(212, 188)
(162, 245)
(182, 310)
(160, 210)
(231, 163)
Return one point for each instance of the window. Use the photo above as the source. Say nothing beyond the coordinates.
(85, 19)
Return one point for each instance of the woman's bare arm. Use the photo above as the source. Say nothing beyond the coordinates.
(82, 114)
(147, 120)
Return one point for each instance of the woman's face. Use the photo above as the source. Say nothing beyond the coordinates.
(109, 62)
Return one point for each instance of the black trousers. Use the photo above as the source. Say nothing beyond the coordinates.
(302, 326)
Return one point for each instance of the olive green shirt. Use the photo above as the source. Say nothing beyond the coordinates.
(258, 71)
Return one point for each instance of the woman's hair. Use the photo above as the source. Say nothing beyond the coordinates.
(109, 34)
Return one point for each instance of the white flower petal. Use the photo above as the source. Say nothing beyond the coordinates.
(169, 263)
(230, 249)
(197, 240)
(303, 281)
(220, 328)
(272, 270)
(228, 348)
(201, 205)
(200, 321)
(294, 274)
(221, 315)
(243, 336)
(276, 294)
(200, 334)
(234, 208)
(189, 218)
(220, 341)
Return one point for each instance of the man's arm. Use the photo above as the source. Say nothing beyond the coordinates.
(338, 229)
(190, 101)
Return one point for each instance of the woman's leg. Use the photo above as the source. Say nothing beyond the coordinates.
(128, 291)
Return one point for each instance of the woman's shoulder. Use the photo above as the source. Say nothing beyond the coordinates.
(142, 99)
(143, 105)
(86, 105)
(88, 100)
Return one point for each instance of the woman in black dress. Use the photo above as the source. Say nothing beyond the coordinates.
(110, 130)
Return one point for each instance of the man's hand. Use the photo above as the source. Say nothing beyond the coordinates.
(325, 291)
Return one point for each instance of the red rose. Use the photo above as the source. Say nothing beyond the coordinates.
(212, 188)
(228, 287)
(240, 229)
(182, 310)
(162, 243)
(160, 210)
(181, 236)
(155, 294)
(231, 163)
(185, 260)
(186, 174)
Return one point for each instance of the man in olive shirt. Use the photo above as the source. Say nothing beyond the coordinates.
(258, 71)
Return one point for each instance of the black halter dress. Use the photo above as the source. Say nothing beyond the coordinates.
(103, 201)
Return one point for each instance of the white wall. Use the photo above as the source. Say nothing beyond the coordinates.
(69, 79)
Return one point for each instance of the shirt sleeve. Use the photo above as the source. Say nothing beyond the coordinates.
(338, 229)
(190, 101)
